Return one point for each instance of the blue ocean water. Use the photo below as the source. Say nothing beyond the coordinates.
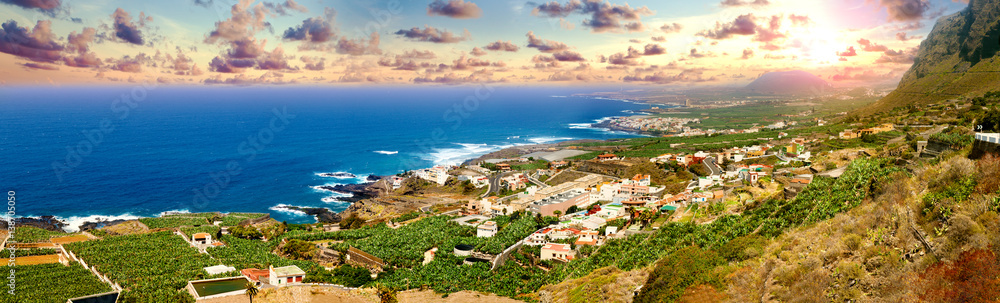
(113, 152)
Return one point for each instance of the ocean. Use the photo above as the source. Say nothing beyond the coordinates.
(82, 153)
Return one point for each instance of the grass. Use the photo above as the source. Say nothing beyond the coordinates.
(28, 234)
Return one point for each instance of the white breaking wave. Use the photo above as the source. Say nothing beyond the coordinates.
(73, 223)
(283, 208)
(386, 152)
(337, 175)
(455, 156)
(543, 140)
(334, 199)
(580, 125)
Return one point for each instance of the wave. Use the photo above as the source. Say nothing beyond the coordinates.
(455, 156)
(580, 125)
(338, 175)
(327, 188)
(543, 140)
(334, 199)
(73, 223)
(385, 152)
(284, 208)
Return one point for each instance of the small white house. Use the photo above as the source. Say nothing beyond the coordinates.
(201, 238)
(487, 229)
(286, 275)
(557, 251)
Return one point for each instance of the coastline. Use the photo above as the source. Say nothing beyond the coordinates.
(348, 194)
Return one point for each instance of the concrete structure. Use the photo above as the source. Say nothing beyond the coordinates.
(988, 137)
(610, 231)
(561, 202)
(358, 257)
(201, 238)
(437, 174)
(256, 275)
(285, 275)
(589, 237)
(554, 251)
(538, 237)
(487, 229)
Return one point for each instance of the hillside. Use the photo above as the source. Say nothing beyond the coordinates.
(788, 83)
(957, 59)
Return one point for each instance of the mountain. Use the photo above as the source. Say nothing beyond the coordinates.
(958, 58)
(788, 83)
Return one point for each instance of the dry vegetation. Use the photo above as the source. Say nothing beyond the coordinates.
(898, 247)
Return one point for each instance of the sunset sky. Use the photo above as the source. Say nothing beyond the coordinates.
(664, 42)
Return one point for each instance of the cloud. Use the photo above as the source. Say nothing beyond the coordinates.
(852, 74)
(284, 8)
(48, 7)
(902, 36)
(244, 23)
(671, 28)
(800, 20)
(127, 30)
(850, 52)
(130, 64)
(905, 10)
(747, 54)
(476, 51)
(458, 9)
(313, 63)
(659, 39)
(653, 50)
(360, 46)
(568, 56)
(452, 79)
(661, 77)
(897, 57)
(416, 54)
(743, 25)
(33, 65)
(241, 79)
(506, 46)
(80, 44)
(869, 46)
(604, 16)
(735, 3)
(314, 30)
(545, 46)
(38, 44)
(431, 34)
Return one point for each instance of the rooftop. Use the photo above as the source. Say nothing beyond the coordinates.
(290, 270)
(556, 246)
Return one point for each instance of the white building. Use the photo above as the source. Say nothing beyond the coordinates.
(487, 229)
(553, 251)
(285, 275)
(437, 174)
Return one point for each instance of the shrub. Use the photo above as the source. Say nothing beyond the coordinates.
(853, 242)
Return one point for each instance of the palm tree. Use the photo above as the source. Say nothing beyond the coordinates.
(252, 290)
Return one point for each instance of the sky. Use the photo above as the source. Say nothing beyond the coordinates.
(449, 42)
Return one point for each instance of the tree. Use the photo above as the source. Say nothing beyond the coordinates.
(572, 209)
(557, 213)
(299, 249)
(252, 290)
(246, 232)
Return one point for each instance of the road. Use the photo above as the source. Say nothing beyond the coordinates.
(536, 181)
(712, 166)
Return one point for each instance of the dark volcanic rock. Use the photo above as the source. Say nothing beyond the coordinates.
(100, 223)
(322, 215)
(43, 222)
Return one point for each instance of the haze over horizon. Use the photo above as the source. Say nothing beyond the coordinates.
(729, 42)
